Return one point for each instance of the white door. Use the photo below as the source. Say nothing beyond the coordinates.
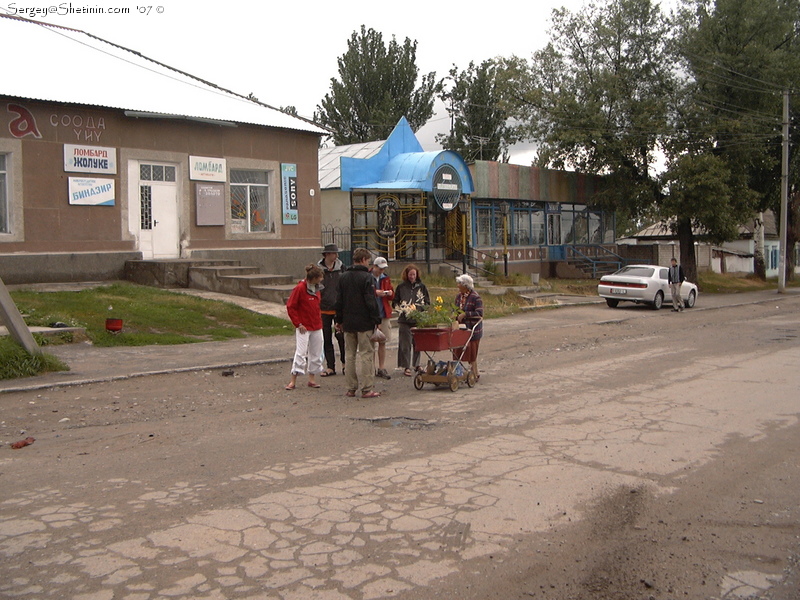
(159, 223)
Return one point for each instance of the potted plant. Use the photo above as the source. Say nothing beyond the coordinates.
(437, 315)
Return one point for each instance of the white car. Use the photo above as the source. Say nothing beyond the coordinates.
(645, 284)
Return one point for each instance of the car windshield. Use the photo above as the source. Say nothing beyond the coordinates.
(635, 272)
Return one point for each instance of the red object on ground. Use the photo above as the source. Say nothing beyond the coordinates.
(114, 325)
(430, 339)
(22, 443)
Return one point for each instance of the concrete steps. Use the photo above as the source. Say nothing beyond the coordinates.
(220, 276)
(239, 280)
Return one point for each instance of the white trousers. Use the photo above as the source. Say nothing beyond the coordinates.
(308, 352)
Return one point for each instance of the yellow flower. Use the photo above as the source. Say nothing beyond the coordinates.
(439, 300)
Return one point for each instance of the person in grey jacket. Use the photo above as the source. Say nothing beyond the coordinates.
(675, 278)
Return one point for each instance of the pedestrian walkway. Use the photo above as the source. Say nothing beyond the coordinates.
(89, 364)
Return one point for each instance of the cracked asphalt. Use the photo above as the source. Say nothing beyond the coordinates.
(604, 453)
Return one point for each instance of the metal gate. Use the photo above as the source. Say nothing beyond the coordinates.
(391, 224)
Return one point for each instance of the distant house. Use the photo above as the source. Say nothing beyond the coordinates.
(107, 156)
(731, 257)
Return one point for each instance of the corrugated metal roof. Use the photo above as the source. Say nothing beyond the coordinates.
(330, 173)
(53, 63)
(663, 229)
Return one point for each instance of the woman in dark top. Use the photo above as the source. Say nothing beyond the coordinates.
(410, 292)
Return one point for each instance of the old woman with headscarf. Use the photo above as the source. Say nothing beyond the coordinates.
(470, 313)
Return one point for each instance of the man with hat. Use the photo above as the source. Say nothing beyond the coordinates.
(332, 267)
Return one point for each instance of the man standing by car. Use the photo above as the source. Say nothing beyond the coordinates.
(675, 278)
(357, 315)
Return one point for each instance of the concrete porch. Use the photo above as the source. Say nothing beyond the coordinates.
(221, 276)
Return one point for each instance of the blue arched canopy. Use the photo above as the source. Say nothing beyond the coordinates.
(401, 164)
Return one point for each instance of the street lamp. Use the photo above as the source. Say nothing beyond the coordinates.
(504, 206)
(463, 208)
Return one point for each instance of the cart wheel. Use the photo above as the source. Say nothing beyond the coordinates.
(418, 383)
(471, 380)
(453, 381)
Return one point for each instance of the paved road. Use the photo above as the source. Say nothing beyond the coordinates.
(89, 364)
(671, 439)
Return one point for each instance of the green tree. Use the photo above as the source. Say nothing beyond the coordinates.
(620, 84)
(597, 98)
(377, 85)
(479, 129)
(739, 57)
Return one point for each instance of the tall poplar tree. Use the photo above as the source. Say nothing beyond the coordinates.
(479, 129)
(377, 85)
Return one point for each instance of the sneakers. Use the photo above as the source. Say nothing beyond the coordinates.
(383, 374)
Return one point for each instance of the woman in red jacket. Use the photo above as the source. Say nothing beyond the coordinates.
(304, 312)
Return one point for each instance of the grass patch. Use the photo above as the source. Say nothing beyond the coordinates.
(732, 283)
(16, 362)
(150, 315)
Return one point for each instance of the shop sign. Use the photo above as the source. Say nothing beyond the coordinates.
(210, 202)
(90, 159)
(446, 187)
(289, 193)
(204, 168)
(387, 216)
(91, 191)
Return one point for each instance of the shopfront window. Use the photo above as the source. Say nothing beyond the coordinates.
(250, 201)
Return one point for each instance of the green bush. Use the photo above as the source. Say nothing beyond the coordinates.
(16, 362)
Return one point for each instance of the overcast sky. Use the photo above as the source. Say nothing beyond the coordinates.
(286, 53)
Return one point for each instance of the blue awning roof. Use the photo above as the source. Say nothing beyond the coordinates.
(402, 165)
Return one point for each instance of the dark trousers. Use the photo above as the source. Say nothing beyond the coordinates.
(327, 342)
(407, 356)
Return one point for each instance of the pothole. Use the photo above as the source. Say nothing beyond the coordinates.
(397, 422)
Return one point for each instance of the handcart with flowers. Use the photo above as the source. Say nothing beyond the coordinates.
(451, 372)
(437, 329)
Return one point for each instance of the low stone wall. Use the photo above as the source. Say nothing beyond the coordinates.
(18, 268)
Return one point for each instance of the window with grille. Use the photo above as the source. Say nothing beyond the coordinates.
(4, 226)
(149, 172)
(146, 203)
(250, 201)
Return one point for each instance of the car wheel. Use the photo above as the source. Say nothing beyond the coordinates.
(612, 302)
(691, 299)
(658, 301)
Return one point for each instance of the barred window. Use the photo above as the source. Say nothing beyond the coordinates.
(146, 203)
(250, 201)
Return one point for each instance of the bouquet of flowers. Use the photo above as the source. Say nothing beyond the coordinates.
(438, 313)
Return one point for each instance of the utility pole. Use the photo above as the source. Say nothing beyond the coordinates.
(784, 219)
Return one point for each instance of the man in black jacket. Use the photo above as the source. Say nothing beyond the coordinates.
(357, 315)
(675, 278)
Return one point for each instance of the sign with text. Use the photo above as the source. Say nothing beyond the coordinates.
(204, 168)
(91, 191)
(90, 159)
(210, 204)
(289, 193)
